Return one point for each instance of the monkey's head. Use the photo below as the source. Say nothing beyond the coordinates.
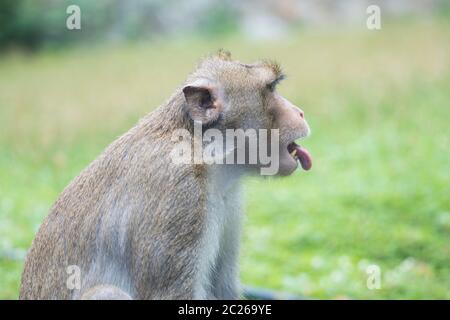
(227, 94)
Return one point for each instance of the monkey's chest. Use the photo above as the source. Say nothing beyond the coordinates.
(221, 232)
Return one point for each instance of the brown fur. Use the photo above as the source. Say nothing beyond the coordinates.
(132, 219)
(132, 171)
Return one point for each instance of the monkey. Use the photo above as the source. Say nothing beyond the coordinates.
(139, 226)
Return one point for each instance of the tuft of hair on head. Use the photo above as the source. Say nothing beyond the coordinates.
(275, 67)
(224, 54)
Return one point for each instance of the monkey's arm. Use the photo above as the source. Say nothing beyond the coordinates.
(166, 241)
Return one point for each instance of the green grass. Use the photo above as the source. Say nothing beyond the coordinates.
(378, 193)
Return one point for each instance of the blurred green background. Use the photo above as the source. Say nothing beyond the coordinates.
(377, 102)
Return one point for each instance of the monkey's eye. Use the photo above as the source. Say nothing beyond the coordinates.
(272, 85)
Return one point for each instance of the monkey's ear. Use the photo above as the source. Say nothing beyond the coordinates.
(204, 103)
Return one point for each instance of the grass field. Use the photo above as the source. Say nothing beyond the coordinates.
(379, 107)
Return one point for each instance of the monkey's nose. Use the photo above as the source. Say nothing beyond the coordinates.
(302, 114)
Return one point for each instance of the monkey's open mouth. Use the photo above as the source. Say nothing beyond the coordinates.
(300, 154)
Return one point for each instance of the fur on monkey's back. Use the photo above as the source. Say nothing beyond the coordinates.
(117, 206)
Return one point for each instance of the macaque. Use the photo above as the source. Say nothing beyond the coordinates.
(139, 225)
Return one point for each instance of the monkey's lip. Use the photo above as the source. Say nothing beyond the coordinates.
(301, 154)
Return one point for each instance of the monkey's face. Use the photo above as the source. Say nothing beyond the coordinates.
(292, 125)
(241, 96)
(255, 103)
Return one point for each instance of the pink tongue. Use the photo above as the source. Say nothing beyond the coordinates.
(304, 157)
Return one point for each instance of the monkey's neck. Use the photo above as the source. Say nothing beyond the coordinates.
(168, 117)
(226, 177)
